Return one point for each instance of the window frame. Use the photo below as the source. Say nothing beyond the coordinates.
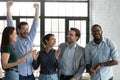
(43, 17)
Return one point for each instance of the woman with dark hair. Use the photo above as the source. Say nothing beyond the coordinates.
(9, 57)
(47, 59)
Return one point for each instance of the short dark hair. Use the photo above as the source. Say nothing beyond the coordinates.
(77, 31)
(20, 24)
(95, 26)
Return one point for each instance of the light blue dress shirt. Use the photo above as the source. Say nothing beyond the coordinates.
(24, 45)
(67, 60)
(97, 53)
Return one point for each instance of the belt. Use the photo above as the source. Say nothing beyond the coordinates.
(12, 69)
(26, 76)
(66, 76)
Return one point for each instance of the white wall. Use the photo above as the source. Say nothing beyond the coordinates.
(107, 14)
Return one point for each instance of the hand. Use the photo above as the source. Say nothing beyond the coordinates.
(97, 67)
(92, 72)
(21, 60)
(35, 55)
(9, 4)
(73, 78)
(57, 53)
(28, 53)
(36, 6)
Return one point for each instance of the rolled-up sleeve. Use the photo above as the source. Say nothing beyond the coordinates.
(10, 23)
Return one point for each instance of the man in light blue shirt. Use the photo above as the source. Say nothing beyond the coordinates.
(24, 41)
(72, 57)
(100, 54)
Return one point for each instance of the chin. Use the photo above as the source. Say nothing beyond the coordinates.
(25, 36)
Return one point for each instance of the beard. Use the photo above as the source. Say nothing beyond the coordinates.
(24, 35)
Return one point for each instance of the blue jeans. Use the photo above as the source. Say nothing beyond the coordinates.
(48, 77)
(30, 77)
(11, 75)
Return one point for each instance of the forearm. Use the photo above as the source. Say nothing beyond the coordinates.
(35, 64)
(9, 15)
(9, 65)
(109, 63)
(36, 17)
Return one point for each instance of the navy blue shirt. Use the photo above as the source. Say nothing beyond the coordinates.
(46, 61)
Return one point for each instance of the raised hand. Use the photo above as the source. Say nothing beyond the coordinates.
(36, 17)
(36, 6)
(9, 4)
(57, 53)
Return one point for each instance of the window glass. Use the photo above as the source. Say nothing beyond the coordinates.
(57, 27)
(19, 8)
(3, 24)
(66, 9)
(81, 25)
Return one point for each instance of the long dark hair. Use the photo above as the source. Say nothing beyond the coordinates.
(6, 36)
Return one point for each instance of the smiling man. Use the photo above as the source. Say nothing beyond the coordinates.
(100, 54)
(24, 42)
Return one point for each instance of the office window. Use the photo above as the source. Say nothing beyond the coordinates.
(81, 25)
(57, 27)
(56, 16)
(3, 24)
(73, 9)
(24, 10)
(61, 16)
(19, 8)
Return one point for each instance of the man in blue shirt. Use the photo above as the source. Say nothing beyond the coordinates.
(72, 57)
(100, 54)
(24, 41)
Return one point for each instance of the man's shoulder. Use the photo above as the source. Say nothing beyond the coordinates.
(80, 47)
(63, 44)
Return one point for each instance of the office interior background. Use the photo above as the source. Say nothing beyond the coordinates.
(58, 16)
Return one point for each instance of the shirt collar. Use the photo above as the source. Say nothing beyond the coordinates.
(74, 46)
(103, 40)
(51, 51)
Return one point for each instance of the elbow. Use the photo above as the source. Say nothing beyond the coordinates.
(4, 67)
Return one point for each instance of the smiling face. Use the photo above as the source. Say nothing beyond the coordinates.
(71, 37)
(23, 31)
(97, 33)
(51, 42)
